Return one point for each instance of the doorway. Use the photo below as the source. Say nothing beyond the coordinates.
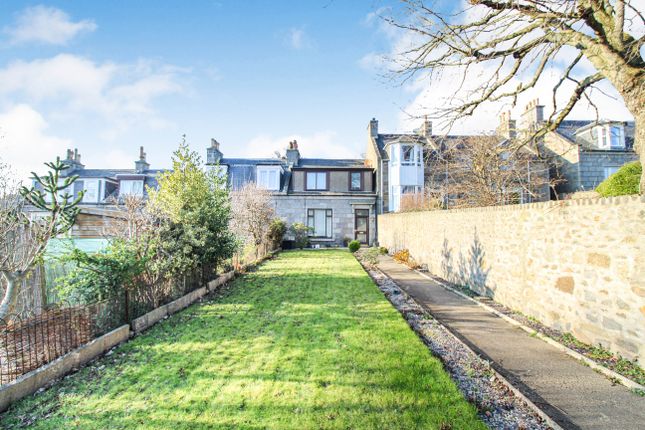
(362, 225)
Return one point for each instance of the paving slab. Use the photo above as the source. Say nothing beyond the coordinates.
(571, 393)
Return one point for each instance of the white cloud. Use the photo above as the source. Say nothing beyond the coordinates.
(25, 139)
(318, 145)
(297, 38)
(121, 94)
(27, 142)
(42, 24)
(434, 93)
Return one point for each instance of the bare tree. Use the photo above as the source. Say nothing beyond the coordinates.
(482, 171)
(251, 214)
(23, 238)
(517, 40)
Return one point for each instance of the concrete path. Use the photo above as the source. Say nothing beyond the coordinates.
(572, 394)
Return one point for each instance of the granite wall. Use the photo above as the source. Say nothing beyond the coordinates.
(575, 265)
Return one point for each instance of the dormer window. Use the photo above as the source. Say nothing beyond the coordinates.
(268, 177)
(610, 136)
(129, 187)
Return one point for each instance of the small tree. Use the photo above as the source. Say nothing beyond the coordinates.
(193, 213)
(23, 239)
(252, 213)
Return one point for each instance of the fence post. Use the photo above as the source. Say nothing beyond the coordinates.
(127, 306)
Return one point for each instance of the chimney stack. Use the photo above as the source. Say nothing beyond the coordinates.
(213, 154)
(532, 116)
(506, 127)
(141, 165)
(293, 154)
(73, 161)
(426, 127)
(373, 128)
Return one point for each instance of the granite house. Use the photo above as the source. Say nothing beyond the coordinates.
(335, 197)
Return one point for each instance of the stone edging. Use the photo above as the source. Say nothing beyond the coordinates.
(539, 412)
(31, 382)
(591, 363)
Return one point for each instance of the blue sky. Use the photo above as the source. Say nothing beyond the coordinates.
(107, 77)
(251, 74)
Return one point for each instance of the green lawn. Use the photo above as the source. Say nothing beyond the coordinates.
(305, 342)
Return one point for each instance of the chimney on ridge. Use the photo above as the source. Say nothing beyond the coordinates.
(213, 154)
(532, 116)
(293, 154)
(373, 128)
(506, 127)
(141, 165)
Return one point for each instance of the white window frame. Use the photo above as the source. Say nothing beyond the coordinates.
(268, 177)
(129, 189)
(610, 170)
(616, 137)
(92, 188)
(611, 136)
(316, 181)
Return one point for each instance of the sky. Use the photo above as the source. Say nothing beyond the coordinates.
(108, 77)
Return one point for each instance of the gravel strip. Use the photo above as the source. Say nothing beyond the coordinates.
(498, 406)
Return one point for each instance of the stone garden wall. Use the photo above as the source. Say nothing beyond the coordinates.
(576, 265)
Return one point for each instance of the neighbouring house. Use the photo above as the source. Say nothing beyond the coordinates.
(103, 188)
(582, 153)
(335, 197)
(409, 164)
(397, 160)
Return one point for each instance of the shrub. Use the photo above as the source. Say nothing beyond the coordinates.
(403, 256)
(100, 276)
(624, 182)
(300, 233)
(277, 230)
(354, 245)
(370, 256)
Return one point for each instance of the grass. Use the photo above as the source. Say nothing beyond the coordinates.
(628, 368)
(305, 342)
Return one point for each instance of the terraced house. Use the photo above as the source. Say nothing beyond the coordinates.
(334, 197)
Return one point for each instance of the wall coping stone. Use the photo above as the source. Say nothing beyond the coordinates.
(604, 201)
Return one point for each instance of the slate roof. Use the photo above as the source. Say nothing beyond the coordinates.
(331, 162)
(112, 173)
(253, 161)
(569, 128)
(387, 139)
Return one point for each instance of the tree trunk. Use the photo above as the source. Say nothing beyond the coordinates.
(10, 295)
